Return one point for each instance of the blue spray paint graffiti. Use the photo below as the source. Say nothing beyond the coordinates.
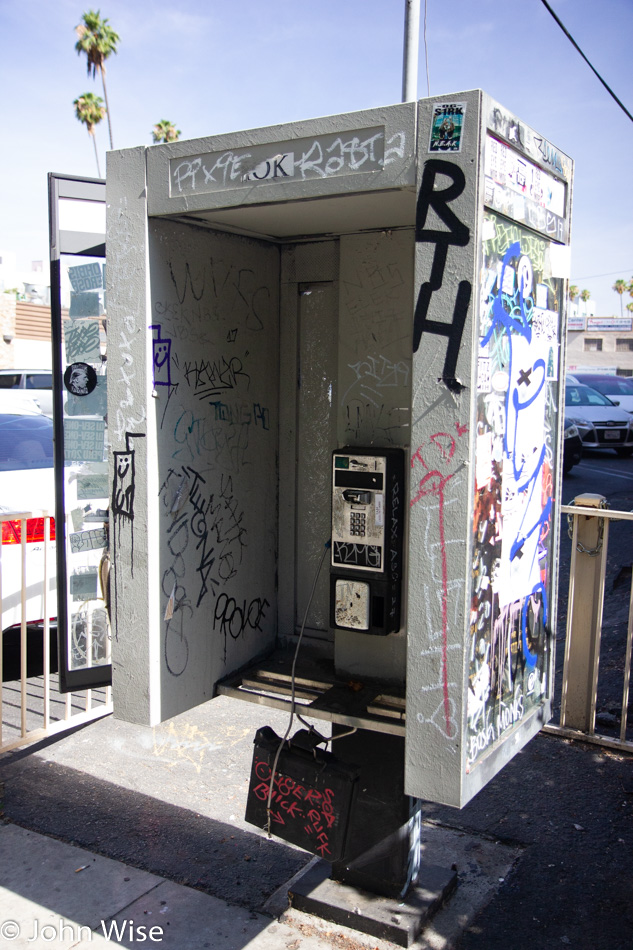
(513, 484)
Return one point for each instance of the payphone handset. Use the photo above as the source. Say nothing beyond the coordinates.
(368, 508)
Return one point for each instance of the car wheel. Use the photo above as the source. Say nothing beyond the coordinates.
(625, 453)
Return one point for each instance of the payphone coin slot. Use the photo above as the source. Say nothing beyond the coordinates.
(357, 497)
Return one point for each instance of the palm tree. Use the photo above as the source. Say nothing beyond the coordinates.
(165, 131)
(90, 110)
(98, 41)
(620, 287)
(584, 296)
(573, 292)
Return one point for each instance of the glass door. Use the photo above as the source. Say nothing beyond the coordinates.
(79, 333)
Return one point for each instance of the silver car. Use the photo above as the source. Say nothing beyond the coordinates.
(602, 424)
(619, 389)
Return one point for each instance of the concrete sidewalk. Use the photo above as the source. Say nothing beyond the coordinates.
(56, 894)
(125, 827)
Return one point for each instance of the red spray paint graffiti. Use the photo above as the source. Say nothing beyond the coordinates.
(442, 447)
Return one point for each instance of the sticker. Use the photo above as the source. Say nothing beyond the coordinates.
(508, 275)
(379, 510)
(98, 514)
(447, 126)
(93, 403)
(77, 518)
(84, 586)
(484, 384)
(525, 192)
(92, 486)
(541, 296)
(483, 460)
(80, 379)
(489, 230)
(84, 440)
(86, 277)
(552, 363)
(499, 382)
(545, 324)
(81, 341)
(85, 305)
(93, 540)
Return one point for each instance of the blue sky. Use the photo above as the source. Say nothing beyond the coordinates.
(211, 66)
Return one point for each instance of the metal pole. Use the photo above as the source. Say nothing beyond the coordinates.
(584, 617)
(410, 51)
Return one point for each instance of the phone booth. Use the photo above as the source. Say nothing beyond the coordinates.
(335, 412)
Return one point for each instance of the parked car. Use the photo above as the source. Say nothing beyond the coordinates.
(27, 483)
(600, 422)
(17, 400)
(572, 446)
(619, 389)
(38, 383)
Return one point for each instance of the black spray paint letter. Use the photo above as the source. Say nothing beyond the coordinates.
(123, 488)
(457, 235)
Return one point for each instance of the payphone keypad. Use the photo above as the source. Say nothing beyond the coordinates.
(358, 524)
(358, 520)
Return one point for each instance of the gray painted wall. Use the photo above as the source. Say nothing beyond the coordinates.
(374, 392)
(215, 341)
(133, 535)
(440, 461)
(197, 415)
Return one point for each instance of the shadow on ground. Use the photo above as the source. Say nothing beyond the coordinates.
(145, 832)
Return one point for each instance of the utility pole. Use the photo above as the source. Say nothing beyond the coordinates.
(410, 51)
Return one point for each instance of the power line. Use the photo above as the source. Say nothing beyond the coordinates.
(610, 274)
(573, 41)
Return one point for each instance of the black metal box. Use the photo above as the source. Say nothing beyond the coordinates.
(312, 797)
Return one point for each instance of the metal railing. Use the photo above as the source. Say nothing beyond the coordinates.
(31, 706)
(589, 522)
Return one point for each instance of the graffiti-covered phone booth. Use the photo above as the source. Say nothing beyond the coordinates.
(335, 413)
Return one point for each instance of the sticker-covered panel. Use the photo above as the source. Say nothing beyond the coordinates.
(517, 421)
(85, 434)
(525, 192)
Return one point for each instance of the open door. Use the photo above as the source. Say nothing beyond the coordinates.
(77, 261)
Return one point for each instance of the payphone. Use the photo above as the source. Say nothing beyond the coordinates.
(367, 532)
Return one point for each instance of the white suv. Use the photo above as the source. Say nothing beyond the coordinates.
(36, 383)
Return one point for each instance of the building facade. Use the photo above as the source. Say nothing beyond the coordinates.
(600, 344)
(25, 334)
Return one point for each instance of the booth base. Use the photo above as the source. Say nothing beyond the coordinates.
(314, 892)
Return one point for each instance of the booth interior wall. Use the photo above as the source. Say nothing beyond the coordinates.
(215, 340)
(374, 393)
